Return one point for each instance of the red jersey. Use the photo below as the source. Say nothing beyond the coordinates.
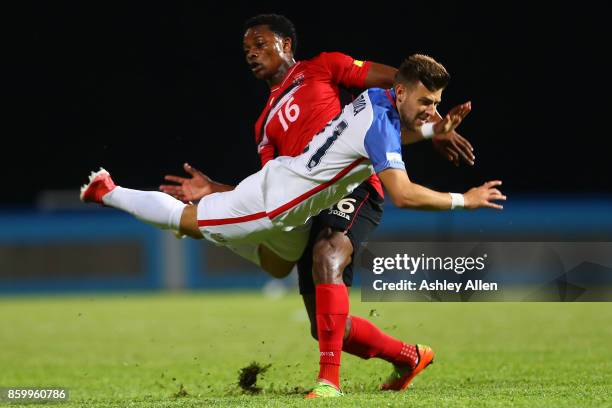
(302, 104)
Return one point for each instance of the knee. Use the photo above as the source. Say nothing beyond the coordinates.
(189, 222)
(320, 253)
(331, 254)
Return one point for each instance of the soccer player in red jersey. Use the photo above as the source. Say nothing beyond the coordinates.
(304, 96)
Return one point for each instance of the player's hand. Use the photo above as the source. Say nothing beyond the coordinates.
(483, 196)
(452, 119)
(454, 147)
(188, 189)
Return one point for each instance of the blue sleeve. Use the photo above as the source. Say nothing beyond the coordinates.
(383, 143)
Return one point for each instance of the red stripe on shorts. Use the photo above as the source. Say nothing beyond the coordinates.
(235, 220)
(285, 207)
(315, 190)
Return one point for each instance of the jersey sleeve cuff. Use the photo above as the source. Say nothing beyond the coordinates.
(364, 73)
(390, 165)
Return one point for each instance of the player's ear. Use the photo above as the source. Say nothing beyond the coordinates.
(287, 43)
(400, 92)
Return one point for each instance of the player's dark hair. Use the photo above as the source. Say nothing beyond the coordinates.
(419, 67)
(279, 25)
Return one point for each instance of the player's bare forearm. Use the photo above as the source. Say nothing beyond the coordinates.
(414, 196)
(422, 198)
(217, 187)
(380, 76)
(406, 194)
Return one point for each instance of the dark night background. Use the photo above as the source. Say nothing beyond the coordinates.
(140, 88)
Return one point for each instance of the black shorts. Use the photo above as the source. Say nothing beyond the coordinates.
(357, 214)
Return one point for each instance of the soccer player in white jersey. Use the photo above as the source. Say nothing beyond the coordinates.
(265, 217)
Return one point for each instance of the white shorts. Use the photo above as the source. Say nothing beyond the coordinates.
(237, 219)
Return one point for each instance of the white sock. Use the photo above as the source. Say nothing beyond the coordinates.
(153, 207)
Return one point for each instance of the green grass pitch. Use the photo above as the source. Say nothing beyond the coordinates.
(141, 350)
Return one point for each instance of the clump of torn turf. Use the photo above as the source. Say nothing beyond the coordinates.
(247, 379)
(182, 392)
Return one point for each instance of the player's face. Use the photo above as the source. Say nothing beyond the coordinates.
(265, 52)
(416, 104)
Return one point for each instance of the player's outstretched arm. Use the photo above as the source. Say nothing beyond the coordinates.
(406, 194)
(380, 76)
(193, 188)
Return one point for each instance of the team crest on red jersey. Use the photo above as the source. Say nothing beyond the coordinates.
(299, 78)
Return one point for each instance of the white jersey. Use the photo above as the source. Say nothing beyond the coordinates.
(282, 196)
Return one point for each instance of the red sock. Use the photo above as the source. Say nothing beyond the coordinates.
(366, 341)
(332, 310)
